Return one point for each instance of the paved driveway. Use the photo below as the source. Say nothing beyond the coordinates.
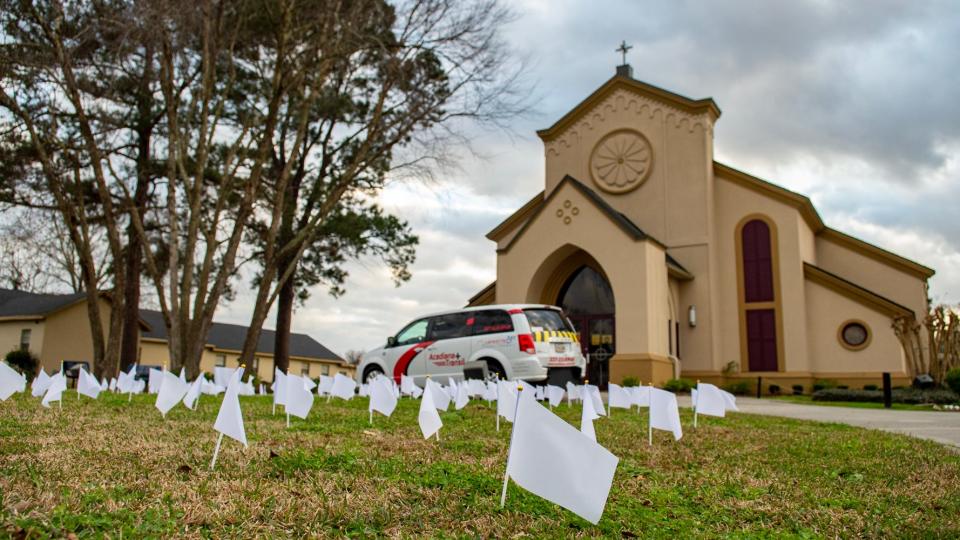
(943, 427)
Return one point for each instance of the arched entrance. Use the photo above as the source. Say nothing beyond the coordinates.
(587, 299)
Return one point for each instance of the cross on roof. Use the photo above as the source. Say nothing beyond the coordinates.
(622, 49)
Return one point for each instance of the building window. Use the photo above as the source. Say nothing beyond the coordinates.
(854, 335)
(305, 369)
(221, 360)
(325, 370)
(759, 301)
(25, 339)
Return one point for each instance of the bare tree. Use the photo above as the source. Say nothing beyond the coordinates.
(933, 346)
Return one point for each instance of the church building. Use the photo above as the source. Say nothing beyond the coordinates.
(671, 264)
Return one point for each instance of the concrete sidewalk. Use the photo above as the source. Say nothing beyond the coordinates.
(943, 427)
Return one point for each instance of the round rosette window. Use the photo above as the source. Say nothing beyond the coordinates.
(621, 161)
(854, 335)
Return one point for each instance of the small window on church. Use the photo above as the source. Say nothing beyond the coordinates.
(757, 262)
(854, 335)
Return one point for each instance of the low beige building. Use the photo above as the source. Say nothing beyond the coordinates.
(670, 263)
(56, 329)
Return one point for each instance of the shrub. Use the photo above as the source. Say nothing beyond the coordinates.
(24, 361)
(678, 385)
(909, 396)
(870, 387)
(843, 387)
(775, 389)
(798, 389)
(823, 384)
(630, 381)
(739, 388)
(952, 380)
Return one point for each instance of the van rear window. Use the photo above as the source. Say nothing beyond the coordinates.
(546, 320)
(491, 322)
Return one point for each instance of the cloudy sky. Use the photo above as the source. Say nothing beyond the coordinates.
(853, 103)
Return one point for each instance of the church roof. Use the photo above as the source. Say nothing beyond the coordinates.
(618, 218)
(855, 292)
(689, 105)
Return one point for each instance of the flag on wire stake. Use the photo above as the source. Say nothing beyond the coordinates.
(587, 416)
(11, 381)
(58, 384)
(506, 402)
(617, 396)
(191, 399)
(382, 398)
(710, 401)
(171, 392)
(343, 387)
(40, 384)
(428, 417)
(299, 396)
(230, 418)
(552, 459)
(88, 385)
(279, 389)
(664, 413)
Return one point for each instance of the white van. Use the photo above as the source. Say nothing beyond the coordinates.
(532, 342)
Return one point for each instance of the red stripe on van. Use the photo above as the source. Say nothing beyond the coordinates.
(400, 368)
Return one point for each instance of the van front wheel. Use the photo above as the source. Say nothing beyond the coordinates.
(371, 372)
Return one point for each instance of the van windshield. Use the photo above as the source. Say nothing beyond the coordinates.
(546, 320)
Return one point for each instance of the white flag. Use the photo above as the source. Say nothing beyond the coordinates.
(506, 400)
(554, 395)
(364, 390)
(11, 381)
(326, 384)
(664, 413)
(299, 396)
(593, 392)
(113, 384)
(477, 387)
(343, 386)
(40, 384)
(87, 385)
(429, 418)
(539, 394)
(550, 458)
(573, 392)
(154, 380)
(230, 418)
(58, 384)
(586, 419)
(693, 398)
(441, 399)
(463, 396)
(640, 395)
(618, 397)
(490, 394)
(279, 387)
(730, 400)
(407, 385)
(193, 393)
(710, 401)
(104, 385)
(171, 392)
(211, 389)
(127, 382)
(222, 376)
(183, 375)
(382, 398)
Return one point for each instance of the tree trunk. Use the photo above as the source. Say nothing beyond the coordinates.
(281, 345)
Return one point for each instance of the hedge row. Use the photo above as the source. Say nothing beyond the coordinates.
(910, 396)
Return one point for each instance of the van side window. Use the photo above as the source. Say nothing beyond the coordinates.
(414, 333)
(492, 321)
(450, 326)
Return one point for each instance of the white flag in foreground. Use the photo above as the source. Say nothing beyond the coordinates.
(88, 385)
(730, 400)
(193, 393)
(11, 382)
(506, 400)
(550, 458)
(591, 391)
(441, 399)
(382, 398)
(586, 419)
(299, 396)
(429, 418)
(617, 396)
(664, 413)
(230, 419)
(58, 383)
(40, 384)
(326, 384)
(710, 401)
(343, 386)
(171, 392)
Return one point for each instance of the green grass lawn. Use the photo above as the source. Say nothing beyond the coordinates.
(808, 400)
(109, 468)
